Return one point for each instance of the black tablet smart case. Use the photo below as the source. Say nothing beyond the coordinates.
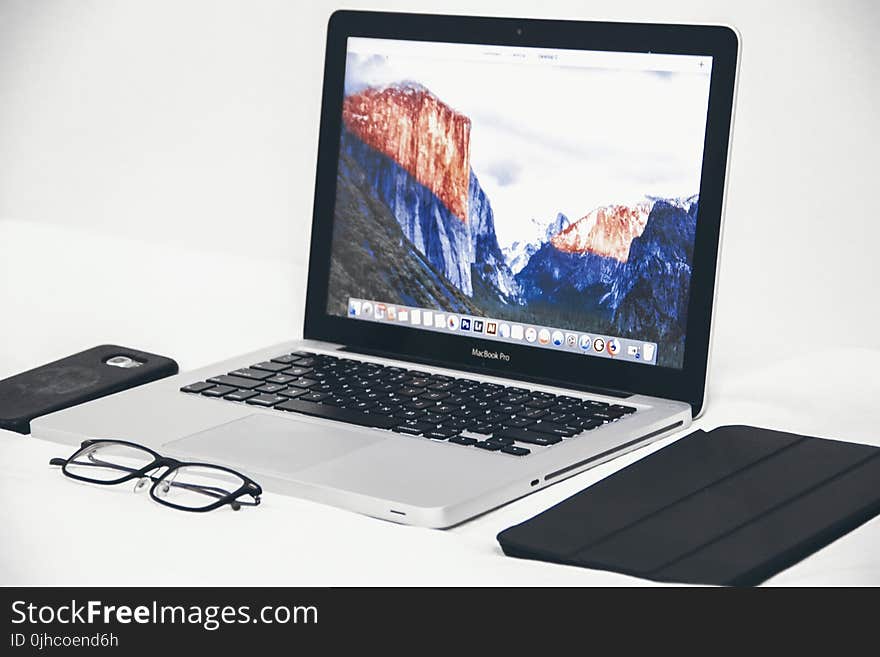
(732, 506)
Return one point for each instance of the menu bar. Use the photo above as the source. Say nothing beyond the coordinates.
(603, 346)
(639, 61)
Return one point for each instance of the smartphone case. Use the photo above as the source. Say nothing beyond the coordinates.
(73, 380)
(732, 506)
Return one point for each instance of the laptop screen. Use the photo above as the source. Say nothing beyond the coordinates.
(535, 196)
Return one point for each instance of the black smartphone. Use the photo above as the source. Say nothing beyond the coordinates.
(82, 377)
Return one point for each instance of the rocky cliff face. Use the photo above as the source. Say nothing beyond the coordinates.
(415, 152)
(489, 264)
(425, 220)
(606, 231)
(429, 139)
(373, 259)
(652, 294)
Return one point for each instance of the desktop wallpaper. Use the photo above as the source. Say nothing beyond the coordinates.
(556, 196)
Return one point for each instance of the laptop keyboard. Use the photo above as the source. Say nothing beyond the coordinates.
(489, 416)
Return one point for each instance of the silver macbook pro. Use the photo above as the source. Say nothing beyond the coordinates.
(511, 276)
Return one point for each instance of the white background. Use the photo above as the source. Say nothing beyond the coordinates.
(156, 177)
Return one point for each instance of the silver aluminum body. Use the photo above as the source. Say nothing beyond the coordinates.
(405, 479)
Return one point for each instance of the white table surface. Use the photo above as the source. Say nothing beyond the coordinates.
(160, 198)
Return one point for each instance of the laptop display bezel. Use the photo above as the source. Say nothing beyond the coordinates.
(528, 363)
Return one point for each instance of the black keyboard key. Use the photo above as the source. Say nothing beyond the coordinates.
(241, 395)
(540, 403)
(248, 373)
(463, 440)
(290, 393)
(298, 371)
(338, 414)
(314, 397)
(433, 395)
(553, 428)
(218, 391)
(383, 410)
(515, 451)
(531, 437)
(626, 410)
(440, 434)
(453, 423)
(234, 382)
(362, 405)
(483, 428)
(271, 388)
(533, 414)
(501, 441)
(199, 386)
(585, 424)
(412, 431)
(303, 383)
(518, 422)
(489, 445)
(409, 414)
(606, 415)
(418, 404)
(287, 359)
(418, 424)
(269, 366)
(560, 418)
(266, 400)
(282, 379)
(305, 362)
(508, 409)
(410, 391)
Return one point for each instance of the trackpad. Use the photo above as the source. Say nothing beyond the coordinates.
(263, 443)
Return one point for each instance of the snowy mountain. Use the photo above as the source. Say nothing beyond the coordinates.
(519, 253)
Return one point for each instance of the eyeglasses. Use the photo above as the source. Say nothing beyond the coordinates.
(183, 485)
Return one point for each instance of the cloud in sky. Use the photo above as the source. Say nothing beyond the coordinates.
(505, 172)
(548, 139)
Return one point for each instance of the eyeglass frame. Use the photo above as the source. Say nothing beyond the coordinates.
(249, 487)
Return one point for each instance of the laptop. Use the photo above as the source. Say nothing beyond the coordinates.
(511, 277)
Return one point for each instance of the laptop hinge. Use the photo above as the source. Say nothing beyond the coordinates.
(596, 390)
